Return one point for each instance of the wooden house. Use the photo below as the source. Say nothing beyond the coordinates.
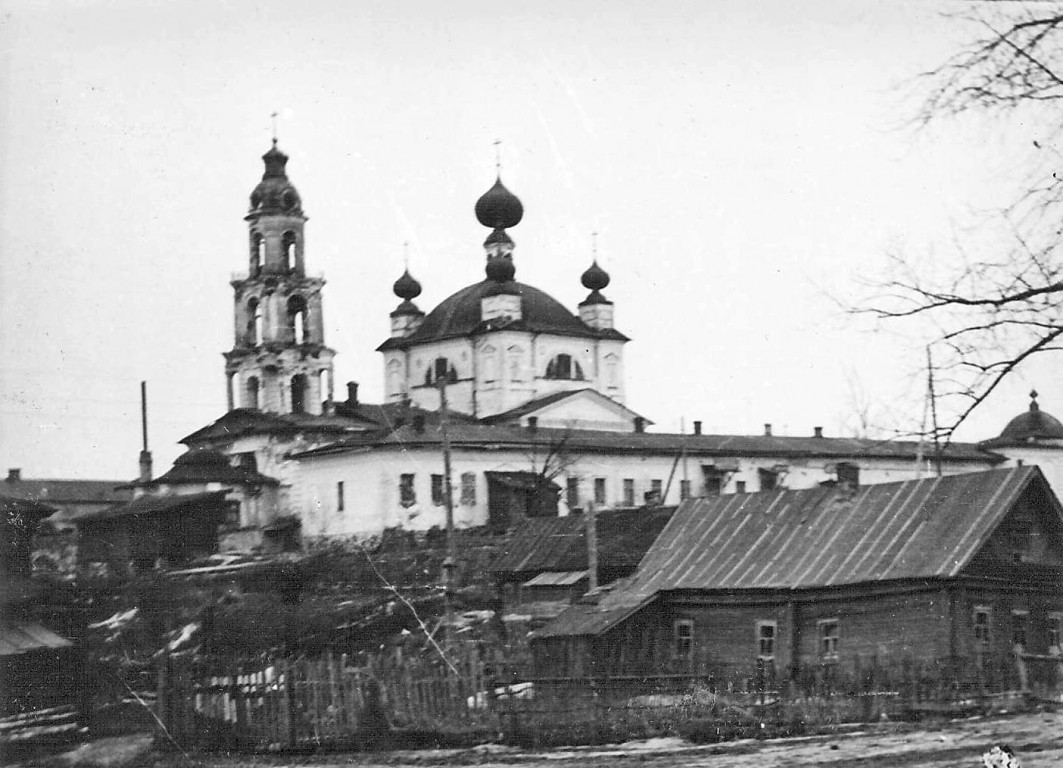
(964, 568)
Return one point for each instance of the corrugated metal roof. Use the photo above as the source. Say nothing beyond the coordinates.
(556, 579)
(820, 537)
(18, 637)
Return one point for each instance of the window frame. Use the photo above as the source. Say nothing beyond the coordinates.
(684, 490)
(468, 489)
(340, 501)
(572, 492)
(683, 639)
(629, 491)
(600, 495)
(827, 643)
(1020, 623)
(1054, 629)
(761, 625)
(407, 489)
(438, 491)
(982, 632)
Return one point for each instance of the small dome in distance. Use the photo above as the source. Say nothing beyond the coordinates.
(1033, 425)
(406, 287)
(595, 278)
(499, 208)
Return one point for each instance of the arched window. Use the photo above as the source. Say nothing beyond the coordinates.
(564, 367)
(297, 319)
(288, 250)
(440, 369)
(515, 360)
(489, 355)
(299, 393)
(612, 370)
(254, 321)
(258, 253)
(394, 377)
(251, 392)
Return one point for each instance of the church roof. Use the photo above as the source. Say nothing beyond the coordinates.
(1030, 426)
(537, 403)
(459, 315)
(820, 537)
(204, 465)
(241, 422)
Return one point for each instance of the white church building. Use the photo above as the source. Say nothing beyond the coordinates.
(536, 420)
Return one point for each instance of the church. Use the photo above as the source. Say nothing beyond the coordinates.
(526, 395)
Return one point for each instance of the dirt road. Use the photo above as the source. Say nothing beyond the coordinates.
(1037, 739)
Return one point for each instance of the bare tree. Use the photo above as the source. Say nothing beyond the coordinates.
(994, 311)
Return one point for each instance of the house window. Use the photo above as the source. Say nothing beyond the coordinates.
(437, 489)
(629, 492)
(828, 639)
(468, 489)
(656, 491)
(848, 474)
(981, 629)
(769, 479)
(714, 480)
(740, 486)
(684, 638)
(599, 490)
(339, 496)
(572, 492)
(1019, 622)
(766, 631)
(232, 514)
(1019, 537)
(407, 494)
(1055, 628)
(684, 490)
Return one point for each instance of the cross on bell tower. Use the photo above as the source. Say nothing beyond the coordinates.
(279, 362)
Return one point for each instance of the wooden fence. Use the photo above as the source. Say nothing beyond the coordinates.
(338, 701)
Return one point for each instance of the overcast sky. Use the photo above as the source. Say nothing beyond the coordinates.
(745, 163)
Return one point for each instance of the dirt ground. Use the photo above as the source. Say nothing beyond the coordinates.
(1036, 738)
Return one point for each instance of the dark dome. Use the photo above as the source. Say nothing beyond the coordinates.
(202, 457)
(1033, 425)
(500, 269)
(595, 278)
(459, 314)
(499, 208)
(406, 287)
(275, 193)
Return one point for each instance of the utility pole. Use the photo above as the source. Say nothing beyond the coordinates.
(933, 411)
(592, 546)
(451, 562)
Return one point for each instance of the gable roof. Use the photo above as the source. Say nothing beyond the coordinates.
(155, 505)
(539, 403)
(65, 491)
(820, 537)
(560, 544)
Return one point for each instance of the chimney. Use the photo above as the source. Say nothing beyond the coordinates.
(418, 422)
(817, 431)
(145, 466)
(145, 454)
(640, 424)
(697, 427)
(767, 430)
(352, 393)
(14, 475)
(533, 423)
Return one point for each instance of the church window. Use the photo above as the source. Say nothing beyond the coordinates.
(515, 357)
(572, 492)
(564, 367)
(288, 251)
(490, 364)
(299, 393)
(441, 370)
(468, 489)
(407, 493)
(394, 377)
(297, 319)
(612, 371)
(251, 392)
(254, 321)
(629, 492)
(437, 490)
(258, 253)
(599, 490)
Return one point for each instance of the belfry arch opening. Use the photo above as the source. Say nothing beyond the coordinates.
(254, 321)
(251, 392)
(441, 369)
(299, 387)
(297, 319)
(258, 254)
(564, 367)
(288, 251)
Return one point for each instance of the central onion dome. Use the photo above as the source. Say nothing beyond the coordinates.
(406, 287)
(1032, 425)
(499, 208)
(275, 193)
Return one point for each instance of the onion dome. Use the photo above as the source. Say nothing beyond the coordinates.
(500, 269)
(406, 287)
(275, 193)
(499, 208)
(595, 278)
(1033, 425)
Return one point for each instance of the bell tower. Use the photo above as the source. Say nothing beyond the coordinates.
(279, 362)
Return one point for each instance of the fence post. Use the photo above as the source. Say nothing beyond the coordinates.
(287, 735)
(162, 693)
